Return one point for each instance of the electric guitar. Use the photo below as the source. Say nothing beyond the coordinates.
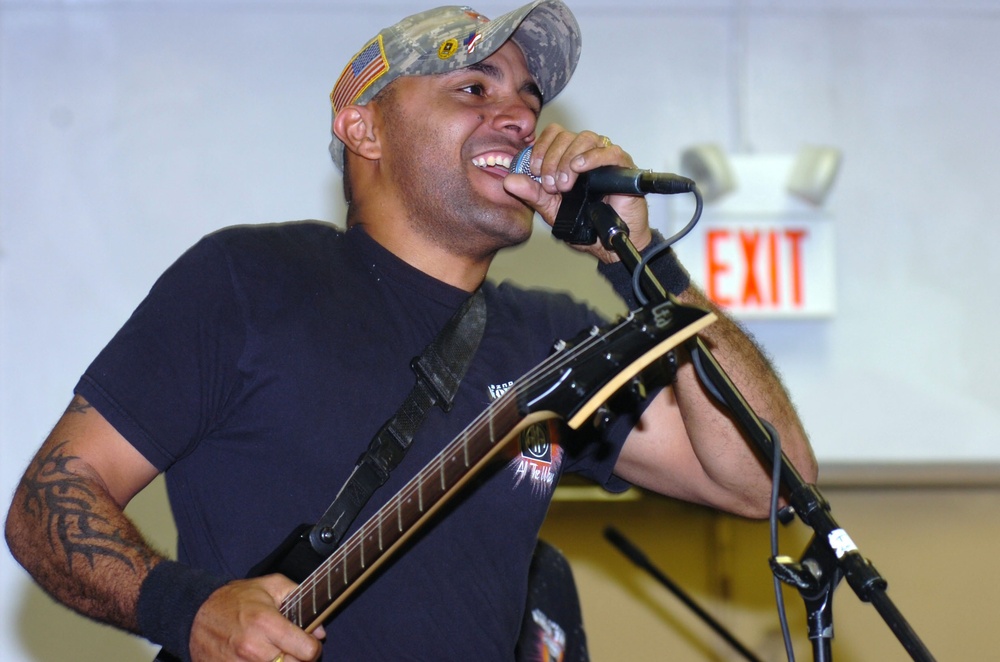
(574, 384)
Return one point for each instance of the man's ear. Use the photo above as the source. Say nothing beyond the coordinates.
(355, 127)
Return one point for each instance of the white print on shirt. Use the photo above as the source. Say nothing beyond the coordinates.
(539, 459)
(496, 390)
(552, 639)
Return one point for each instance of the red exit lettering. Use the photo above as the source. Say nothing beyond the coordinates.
(753, 268)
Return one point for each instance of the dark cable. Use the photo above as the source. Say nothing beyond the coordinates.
(657, 250)
(779, 598)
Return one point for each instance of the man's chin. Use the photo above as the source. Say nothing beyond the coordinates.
(507, 230)
(525, 235)
(522, 222)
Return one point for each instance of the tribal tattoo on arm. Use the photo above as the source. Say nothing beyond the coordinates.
(66, 503)
(66, 529)
(79, 406)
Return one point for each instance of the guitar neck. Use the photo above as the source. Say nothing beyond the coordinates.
(362, 553)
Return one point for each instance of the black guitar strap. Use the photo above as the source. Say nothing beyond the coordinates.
(439, 371)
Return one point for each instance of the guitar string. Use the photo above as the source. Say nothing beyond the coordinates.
(530, 379)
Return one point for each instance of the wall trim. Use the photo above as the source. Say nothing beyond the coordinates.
(909, 474)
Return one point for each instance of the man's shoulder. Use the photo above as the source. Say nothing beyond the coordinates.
(288, 232)
(265, 251)
(268, 243)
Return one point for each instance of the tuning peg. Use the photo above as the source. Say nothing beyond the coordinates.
(637, 388)
(602, 417)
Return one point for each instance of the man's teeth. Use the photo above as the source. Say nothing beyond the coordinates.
(483, 162)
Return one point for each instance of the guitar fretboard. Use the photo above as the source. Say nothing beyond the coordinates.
(361, 552)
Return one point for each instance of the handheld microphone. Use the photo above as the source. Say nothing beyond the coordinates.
(571, 224)
(614, 179)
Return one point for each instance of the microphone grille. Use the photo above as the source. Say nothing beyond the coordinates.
(521, 165)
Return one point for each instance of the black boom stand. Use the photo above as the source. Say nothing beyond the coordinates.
(831, 555)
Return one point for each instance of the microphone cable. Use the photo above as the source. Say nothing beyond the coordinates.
(658, 250)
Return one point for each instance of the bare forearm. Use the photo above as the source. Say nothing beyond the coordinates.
(717, 439)
(72, 536)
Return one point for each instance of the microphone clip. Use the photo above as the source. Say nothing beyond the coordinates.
(572, 224)
(582, 206)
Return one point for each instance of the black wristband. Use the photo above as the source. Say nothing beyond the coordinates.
(169, 598)
(665, 266)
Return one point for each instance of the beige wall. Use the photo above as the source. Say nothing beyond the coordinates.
(936, 546)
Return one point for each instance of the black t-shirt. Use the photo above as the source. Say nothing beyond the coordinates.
(257, 371)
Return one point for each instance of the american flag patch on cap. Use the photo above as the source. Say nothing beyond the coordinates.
(362, 71)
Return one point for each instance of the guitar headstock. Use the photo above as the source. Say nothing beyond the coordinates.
(587, 371)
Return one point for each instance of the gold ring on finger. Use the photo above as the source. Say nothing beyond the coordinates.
(605, 141)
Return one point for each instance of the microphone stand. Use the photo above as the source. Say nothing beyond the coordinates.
(831, 555)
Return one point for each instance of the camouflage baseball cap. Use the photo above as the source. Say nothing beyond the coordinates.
(448, 38)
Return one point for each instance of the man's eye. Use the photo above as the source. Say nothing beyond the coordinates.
(475, 88)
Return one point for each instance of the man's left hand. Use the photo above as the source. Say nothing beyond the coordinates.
(558, 157)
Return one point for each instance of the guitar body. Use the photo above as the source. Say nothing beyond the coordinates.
(573, 384)
(164, 656)
(294, 557)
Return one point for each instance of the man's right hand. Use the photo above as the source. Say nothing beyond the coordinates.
(241, 621)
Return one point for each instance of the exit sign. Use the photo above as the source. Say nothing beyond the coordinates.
(760, 251)
(764, 268)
